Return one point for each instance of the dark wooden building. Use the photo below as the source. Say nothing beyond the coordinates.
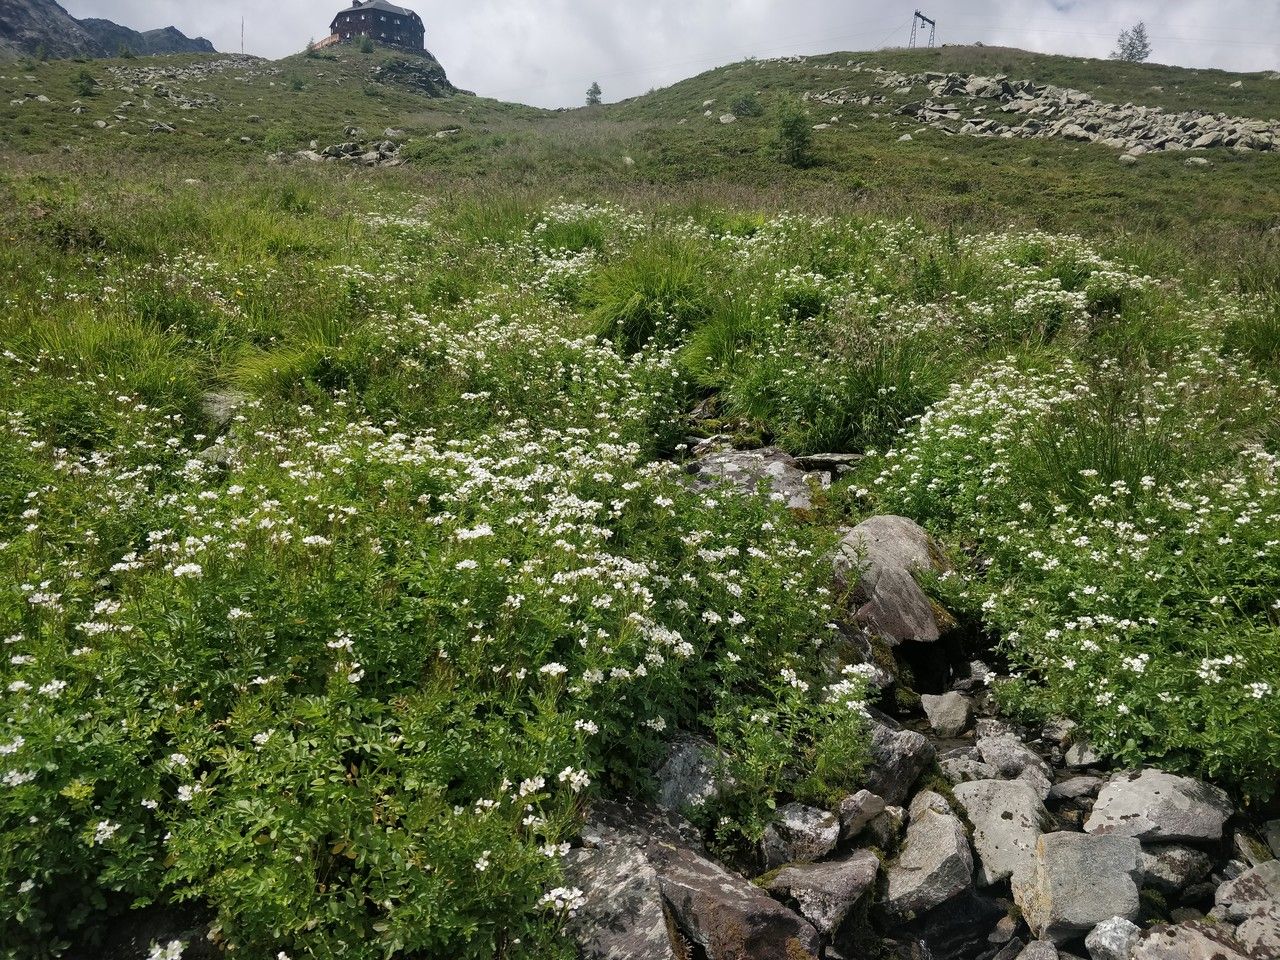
(381, 22)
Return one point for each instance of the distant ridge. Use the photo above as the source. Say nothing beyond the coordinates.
(31, 27)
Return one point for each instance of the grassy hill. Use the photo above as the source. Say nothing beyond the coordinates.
(347, 540)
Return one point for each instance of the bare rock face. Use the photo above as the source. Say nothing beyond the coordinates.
(1007, 818)
(1077, 882)
(935, 866)
(800, 835)
(1189, 941)
(825, 893)
(877, 559)
(898, 757)
(1154, 805)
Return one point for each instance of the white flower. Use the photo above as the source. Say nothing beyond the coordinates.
(12, 747)
(235, 613)
(260, 739)
(171, 951)
(483, 863)
(53, 688)
(26, 886)
(553, 669)
(104, 831)
(475, 533)
(191, 570)
(578, 780)
(187, 792)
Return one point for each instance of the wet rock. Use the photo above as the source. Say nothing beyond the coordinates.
(1078, 881)
(1188, 941)
(948, 714)
(799, 835)
(746, 470)
(858, 810)
(935, 866)
(687, 779)
(898, 757)
(876, 559)
(1007, 818)
(824, 893)
(1112, 939)
(1153, 805)
(1172, 867)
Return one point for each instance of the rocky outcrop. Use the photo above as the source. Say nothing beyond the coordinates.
(746, 470)
(1154, 805)
(967, 105)
(1077, 882)
(826, 893)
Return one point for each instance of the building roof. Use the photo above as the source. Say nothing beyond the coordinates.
(379, 5)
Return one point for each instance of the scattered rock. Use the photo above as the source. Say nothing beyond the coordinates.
(1113, 939)
(1078, 881)
(898, 757)
(824, 893)
(1013, 759)
(1007, 818)
(876, 559)
(1039, 950)
(728, 118)
(935, 866)
(858, 810)
(746, 470)
(1081, 754)
(905, 138)
(799, 835)
(1154, 805)
(1188, 941)
(886, 828)
(948, 714)
(1172, 867)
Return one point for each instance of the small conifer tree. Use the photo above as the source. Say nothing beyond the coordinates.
(593, 95)
(1133, 45)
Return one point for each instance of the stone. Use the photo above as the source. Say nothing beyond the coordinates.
(898, 757)
(1078, 880)
(1075, 788)
(886, 828)
(1251, 850)
(876, 561)
(905, 138)
(746, 470)
(1081, 754)
(1172, 867)
(1007, 818)
(1254, 892)
(965, 769)
(800, 834)
(825, 893)
(1013, 759)
(1197, 162)
(1154, 805)
(1039, 950)
(948, 713)
(925, 801)
(622, 917)
(935, 866)
(858, 810)
(1112, 939)
(728, 118)
(1260, 935)
(1271, 833)
(1128, 159)
(727, 917)
(687, 779)
(956, 930)
(1188, 941)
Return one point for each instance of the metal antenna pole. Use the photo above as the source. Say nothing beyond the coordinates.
(918, 20)
(242, 35)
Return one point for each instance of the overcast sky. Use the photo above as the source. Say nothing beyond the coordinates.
(547, 52)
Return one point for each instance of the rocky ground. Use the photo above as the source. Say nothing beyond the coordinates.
(972, 838)
(968, 105)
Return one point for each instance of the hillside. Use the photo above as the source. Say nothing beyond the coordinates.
(824, 508)
(42, 28)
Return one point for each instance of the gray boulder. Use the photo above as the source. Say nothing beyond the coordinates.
(948, 714)
(935, 866)
(623, 917)
(1172, 867)
(1077, 882)
(1271, 833)
(1113, 939)
(746, 470)
(1189, 941)
(876, 560)
(1260, 935)
(1007, 818)
(800, 834)
(1012, 759)
(1154, 805)
(687, 779)
(1039, 950)
(824, 893)
(898, 757)
(1075, 788)
(1254, 892)
(858, 810)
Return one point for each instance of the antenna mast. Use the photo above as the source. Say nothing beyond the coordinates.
(918, 21)
(242, 36)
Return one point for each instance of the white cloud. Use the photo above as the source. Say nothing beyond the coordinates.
(549, 52)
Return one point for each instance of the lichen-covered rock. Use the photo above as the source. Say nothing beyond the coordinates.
(800, 834)
(1154, 805)
(1254, 891)
(948, 713)
(1113, 939)
(746, 470)
(622, 917)
(935, 866)
(876, 561)
(858, 810)
(1173, 867)
(1078, 881)
(898, 757)
(824, 893)
(1189, 941)
(687, 779)
(1007, 818)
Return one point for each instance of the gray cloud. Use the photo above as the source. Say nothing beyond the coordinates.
(547, 53)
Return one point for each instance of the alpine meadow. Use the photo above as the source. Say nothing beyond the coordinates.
(825, 508)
